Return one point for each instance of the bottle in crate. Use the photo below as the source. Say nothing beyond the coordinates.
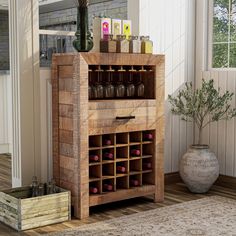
(93, 158)
(134, 182)
(148, 136)
(108, 156)
(147, 166)
(93, 190)
(107, 187)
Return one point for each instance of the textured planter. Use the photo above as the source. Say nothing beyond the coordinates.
(199, 168)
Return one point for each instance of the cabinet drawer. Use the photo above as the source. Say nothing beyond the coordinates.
(121, 116)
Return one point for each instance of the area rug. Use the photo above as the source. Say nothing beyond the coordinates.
(211, 216)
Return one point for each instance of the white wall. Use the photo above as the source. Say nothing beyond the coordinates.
(5, 114)
(171, 25)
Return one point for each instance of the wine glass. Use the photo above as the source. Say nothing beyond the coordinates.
(99, 86)
(109, 91)
(120, 88)
(140, 88)
(130, 88)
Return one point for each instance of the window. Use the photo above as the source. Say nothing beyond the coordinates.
(224, 34)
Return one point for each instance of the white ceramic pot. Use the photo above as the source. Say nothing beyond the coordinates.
(199, 168)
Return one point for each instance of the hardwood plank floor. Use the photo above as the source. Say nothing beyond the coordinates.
(174, 194)
(5, 171)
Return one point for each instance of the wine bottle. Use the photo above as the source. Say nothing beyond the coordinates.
(147, 165)
(135, 152)
(108, 156)
(94, 158)
(134, 182)
(148, 136)
(107, 142)
(93, 190)
(121, 169)
(107, 187)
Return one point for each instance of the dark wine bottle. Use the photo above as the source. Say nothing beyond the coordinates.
(94, 158)
(107, 187)
(93, 190)
(107, 142)
(134, 182)
(121, 169)
(135, 152)
(147, 165)
(108, 156)
(148, 137)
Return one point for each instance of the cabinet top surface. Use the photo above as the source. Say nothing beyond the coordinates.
(95, 58)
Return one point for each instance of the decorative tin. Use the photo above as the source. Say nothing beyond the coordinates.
(108, 44)
(122, 44)
(146, 45)
(134, 44)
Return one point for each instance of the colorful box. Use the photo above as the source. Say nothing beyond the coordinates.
(116, 27)
(101, 26)
(127, 28)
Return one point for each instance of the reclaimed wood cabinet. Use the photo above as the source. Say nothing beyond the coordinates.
(131, 161)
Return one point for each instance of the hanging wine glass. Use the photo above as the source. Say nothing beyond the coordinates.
(140, 88)
(130, 88)
(120, 88)
(90, 91)
(109, 88)
(99, 86)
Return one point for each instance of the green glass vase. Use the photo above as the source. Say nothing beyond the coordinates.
(83, 41)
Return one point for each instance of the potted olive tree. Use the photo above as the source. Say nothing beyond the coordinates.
(199, 167)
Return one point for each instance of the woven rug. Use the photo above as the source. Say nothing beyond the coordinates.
(211, 216)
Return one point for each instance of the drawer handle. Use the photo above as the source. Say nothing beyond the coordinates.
(125, 117)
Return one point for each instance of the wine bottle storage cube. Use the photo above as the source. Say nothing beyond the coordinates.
(122, 168)
(94, 172)
(108, 154)
(108, 170)
(95, 187)
(122, 183)
(95, 141)
(135, 166)
(108, 140)
(104, 105)
(122, 139)
(135, 181)
(135, 137)
(122, 153)
(108, 185)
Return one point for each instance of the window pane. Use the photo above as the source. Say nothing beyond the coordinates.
(220, 55)
(224, 34)
(232, 60)
(221, 21)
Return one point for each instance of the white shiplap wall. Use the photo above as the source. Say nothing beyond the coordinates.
(222, 135)
(5, 114)
(171, 25)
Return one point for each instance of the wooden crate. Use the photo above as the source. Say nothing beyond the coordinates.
(21, 212)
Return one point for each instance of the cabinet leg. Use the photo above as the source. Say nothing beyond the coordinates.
(158, 197)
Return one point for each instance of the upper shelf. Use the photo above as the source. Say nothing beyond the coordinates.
(110, 58)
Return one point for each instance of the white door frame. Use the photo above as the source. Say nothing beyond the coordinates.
(24, 72)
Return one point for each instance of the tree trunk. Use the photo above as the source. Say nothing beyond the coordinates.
(200, 136)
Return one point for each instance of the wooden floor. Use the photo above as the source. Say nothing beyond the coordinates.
(174, 194)
(5, 171)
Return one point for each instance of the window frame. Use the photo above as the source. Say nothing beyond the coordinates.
(210, 39)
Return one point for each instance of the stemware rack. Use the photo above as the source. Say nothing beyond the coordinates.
(95, 140)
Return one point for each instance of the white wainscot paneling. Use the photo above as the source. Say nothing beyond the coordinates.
(221, 135)
(5, 114)
(171, 26)
(46, 124)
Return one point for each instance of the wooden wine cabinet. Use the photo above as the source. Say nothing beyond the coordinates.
(81, 126)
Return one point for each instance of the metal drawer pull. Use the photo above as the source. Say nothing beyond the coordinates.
(125, 117)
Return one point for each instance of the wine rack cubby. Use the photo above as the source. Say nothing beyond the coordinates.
(108, 127)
